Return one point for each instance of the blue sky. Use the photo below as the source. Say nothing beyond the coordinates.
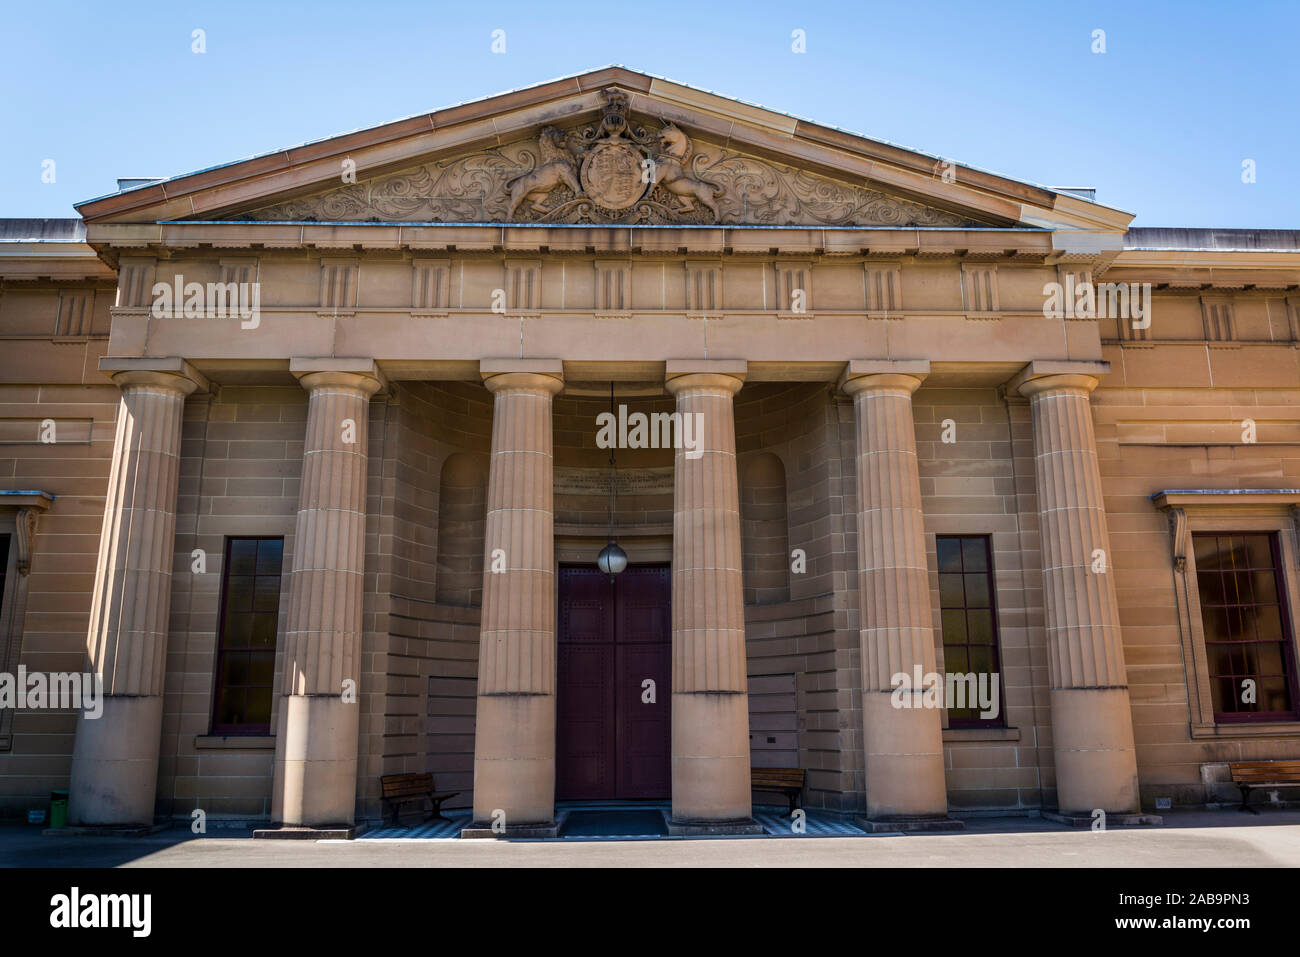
(1160, 123)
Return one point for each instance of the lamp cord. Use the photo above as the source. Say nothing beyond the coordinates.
(611, 465)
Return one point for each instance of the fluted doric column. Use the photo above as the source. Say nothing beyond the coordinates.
(315, 780)
(115, 756)
(903, 746)
(1092, 726)
(514, 736)
(710, 717)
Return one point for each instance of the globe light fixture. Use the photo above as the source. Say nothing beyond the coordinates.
(612, 560)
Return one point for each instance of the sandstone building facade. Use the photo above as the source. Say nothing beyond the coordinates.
(351, 529)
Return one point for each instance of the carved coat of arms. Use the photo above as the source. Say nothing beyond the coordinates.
(612, 172)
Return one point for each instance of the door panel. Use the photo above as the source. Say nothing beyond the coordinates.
(610, 743)
(585, 736)
(644, 635)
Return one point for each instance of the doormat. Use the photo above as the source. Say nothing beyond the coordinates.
(450, 829)
(614, 823)
(779, 823)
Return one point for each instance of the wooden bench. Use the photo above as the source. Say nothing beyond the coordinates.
(787, 781)
(401, 788)
(1261, 774)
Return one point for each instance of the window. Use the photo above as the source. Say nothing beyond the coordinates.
(970, 631)
(250, 612)
(1248, 643)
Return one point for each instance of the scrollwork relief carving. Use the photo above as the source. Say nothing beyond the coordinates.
(614, 171)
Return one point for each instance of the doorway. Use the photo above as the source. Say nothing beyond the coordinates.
(613, 685)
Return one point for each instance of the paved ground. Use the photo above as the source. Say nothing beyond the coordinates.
(1215, 838)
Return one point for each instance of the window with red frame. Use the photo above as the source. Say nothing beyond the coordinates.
(970, 621)
(246, 637)
(1248, 641)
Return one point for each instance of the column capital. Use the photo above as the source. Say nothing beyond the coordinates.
(862, 374)
(499, 374)
(1041, 375)
(319, 373)
(168, 372)
(727, 374)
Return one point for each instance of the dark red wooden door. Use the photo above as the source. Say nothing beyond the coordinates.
(614, 700)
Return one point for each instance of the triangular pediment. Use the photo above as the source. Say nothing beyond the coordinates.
(609, 147)
(576, 175)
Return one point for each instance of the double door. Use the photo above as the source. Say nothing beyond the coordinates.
(613, 694)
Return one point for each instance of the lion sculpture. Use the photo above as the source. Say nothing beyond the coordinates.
(670, 172)
(555, 168)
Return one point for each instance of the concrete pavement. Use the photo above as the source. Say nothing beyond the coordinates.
(1192, 839)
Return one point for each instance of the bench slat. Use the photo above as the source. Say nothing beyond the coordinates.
(1265, 772)
(778, 778)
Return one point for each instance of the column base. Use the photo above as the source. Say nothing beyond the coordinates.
(909, 825)
(114, 779)
(1135, 819)
(477, 831)
(341, 832)
(745, 825)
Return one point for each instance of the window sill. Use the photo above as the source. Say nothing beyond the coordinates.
(981, 734)
(234, 742)
(1253, 729)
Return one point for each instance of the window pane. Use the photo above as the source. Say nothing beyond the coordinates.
(977, 591)
(230, 707)
(1259, 551)
(1223, 659)
(1236, 587)
(259, 706)
(950, 591)
(1236, 627)
(1268, 621)
(974, 553)
(234, 669)
(949, 551)
(267, 594)
(955, 661)
(1206, 549)
(1273, 695)
(1216, 623)
(1211, 587)
(979, 625)
(1264, 585)
(243, 556)
(980, 660)
(239, 593)
(264, 631)
(239, 631)
(954, 626)
(1269, 657)
(261, 668)
(270, 553)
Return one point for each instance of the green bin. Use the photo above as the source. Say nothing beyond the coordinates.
(58, 809)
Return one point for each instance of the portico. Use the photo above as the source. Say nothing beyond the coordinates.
(353, 538)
